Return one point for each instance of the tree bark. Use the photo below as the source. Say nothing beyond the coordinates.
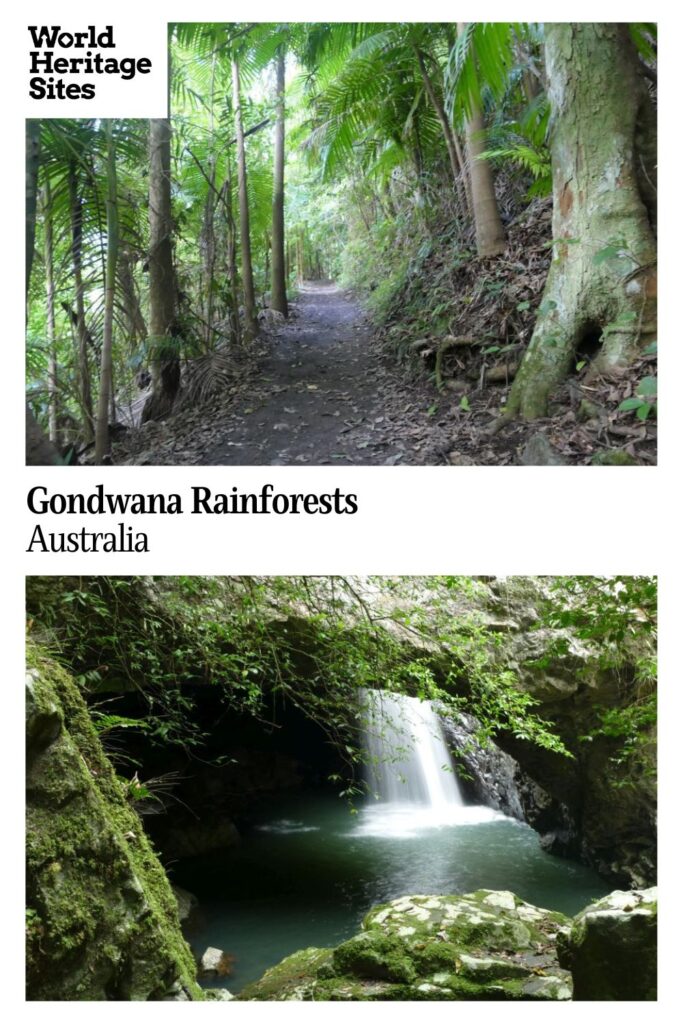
(39, 450)
(165, 363)
(82, 336)
(51, 318)
(104, 398)
(487, 223)
(278, 288)
(602, 281)
(232, 252)
(250, 323)
(135, 322)
(32, 164)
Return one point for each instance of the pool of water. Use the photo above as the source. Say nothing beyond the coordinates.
(308, 870)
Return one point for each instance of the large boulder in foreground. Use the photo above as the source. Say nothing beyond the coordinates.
(101, 919)
(483, 946)
(611, 948)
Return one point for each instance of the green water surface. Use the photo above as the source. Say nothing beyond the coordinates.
(309, 870)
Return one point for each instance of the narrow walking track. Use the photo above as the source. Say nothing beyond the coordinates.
(324, 394)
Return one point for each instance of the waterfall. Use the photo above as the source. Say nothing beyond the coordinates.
(408, 758)
(408, 769)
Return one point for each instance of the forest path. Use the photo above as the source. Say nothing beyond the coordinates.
(324, 396)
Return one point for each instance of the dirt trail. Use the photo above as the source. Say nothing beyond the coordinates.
(323, 396)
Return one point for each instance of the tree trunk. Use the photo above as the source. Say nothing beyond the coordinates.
(487, 223)
(250, 323)
(51, 319)
(278, 289)
(32, 164)
(104, 398)
(207, 244)
(601, 284)
(84, 386)
(232, 257)
(165, 364)
(39, 450)
(452, 145)
(135, 322)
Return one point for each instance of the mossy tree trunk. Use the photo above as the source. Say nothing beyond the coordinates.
(602, 282)
(165, 364)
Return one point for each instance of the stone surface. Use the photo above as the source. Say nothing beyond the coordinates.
(483, 946)
(611, 948)
(101, 920)
(489, 776)
(580, 806)
(211, 962)
(538, 451)
(187, 903)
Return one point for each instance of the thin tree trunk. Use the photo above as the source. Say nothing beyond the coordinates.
(32, 164)
(135, 321)
(455, 156)
(250, 323)
(51, 319)
(84, 385)
(487, 223)
(102, 432)
(165, 365)
(39, 450)
(232, 254)
(599, 103)
(208, 227)
(278, 290)
(208, 245)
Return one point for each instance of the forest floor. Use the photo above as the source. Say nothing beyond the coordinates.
(322, 388)
(323, 393)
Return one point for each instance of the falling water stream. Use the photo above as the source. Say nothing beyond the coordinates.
(309, 867)
(409, 772)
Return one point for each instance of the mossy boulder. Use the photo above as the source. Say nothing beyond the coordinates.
(101, 920)
(611, 948)
(484, 946)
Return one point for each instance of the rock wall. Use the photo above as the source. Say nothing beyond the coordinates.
(101, 920)
(590, 806)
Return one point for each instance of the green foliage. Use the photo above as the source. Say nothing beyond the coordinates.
(317, 643)
(617, 617)
(644, 401)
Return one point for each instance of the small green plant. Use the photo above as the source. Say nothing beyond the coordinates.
(644, 402)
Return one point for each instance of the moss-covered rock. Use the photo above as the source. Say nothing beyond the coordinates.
(101, 921)
(483, 946)
(611, 948)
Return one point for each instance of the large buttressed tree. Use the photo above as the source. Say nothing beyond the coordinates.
(601, 286)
